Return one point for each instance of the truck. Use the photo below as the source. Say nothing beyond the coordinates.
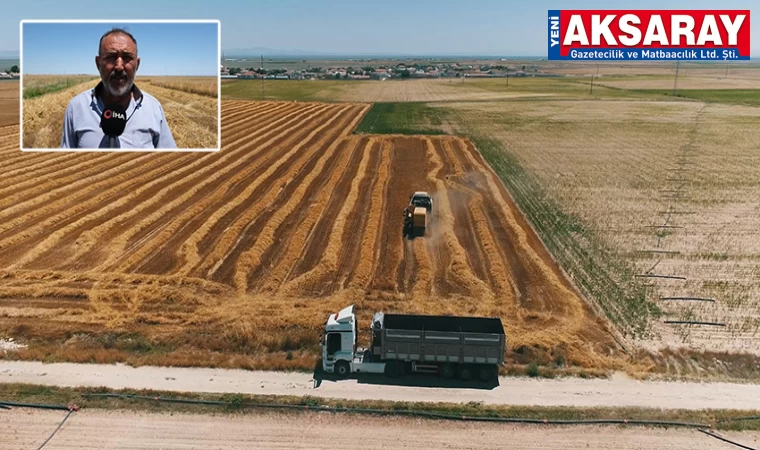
(417, 214)
(449, 346)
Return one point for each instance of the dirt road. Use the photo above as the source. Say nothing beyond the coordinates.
(98, 429)
(618, 391)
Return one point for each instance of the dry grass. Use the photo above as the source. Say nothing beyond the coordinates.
(192, 118)
(206, 86)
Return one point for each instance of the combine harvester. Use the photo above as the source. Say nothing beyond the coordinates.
(417, 214)
(465, 347)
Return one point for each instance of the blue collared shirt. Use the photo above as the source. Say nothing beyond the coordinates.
(146, 124)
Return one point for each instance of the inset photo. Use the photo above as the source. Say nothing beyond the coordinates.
(150, 85)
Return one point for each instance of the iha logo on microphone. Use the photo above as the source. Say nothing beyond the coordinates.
(107, 114)
(588, 35)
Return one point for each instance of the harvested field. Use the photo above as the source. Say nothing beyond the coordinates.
(9, 107)
(193, 118)
(235, 258)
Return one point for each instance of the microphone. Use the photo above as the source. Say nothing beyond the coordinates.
(113, 121)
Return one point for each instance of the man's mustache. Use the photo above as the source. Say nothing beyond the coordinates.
(115, 75)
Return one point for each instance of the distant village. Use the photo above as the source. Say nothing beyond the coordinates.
(381, 72)
(12, 73)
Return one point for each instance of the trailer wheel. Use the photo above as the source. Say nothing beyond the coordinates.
(465, 373)
(488, 373)
(342, 369)
(447, 371)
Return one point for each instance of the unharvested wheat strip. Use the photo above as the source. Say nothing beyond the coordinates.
(297, 240)
(368, 249)
(43, 204)
(209, 200)
(459, 267)
(206, 167)
(329, 261)
(189, 249)
(34, 167)
(60, 175)
(228, 163)
(223, 248)
(56, 236)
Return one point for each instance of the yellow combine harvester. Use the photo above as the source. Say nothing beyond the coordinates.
(416, 215)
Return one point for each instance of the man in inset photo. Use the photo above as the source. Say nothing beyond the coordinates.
(116, 113)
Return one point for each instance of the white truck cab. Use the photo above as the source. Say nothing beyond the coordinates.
(339, 352)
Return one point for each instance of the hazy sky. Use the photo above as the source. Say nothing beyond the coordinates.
(164, 49)
(490, 27)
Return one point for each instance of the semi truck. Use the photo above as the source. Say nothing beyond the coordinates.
(463, 347)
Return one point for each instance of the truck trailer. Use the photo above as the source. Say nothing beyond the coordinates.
(464, 347)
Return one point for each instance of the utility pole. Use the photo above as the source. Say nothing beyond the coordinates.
(262, 77)
(727, 69)
(675, 82)
(507, 77)
(591, 90)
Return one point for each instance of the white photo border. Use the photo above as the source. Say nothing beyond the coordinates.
(122, 21)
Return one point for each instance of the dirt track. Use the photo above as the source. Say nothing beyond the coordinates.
(97, 429)
(618, 391)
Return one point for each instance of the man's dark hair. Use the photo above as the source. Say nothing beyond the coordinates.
(115, 30)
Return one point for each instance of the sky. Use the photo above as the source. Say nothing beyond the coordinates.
(357, 27)
(163, 48)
